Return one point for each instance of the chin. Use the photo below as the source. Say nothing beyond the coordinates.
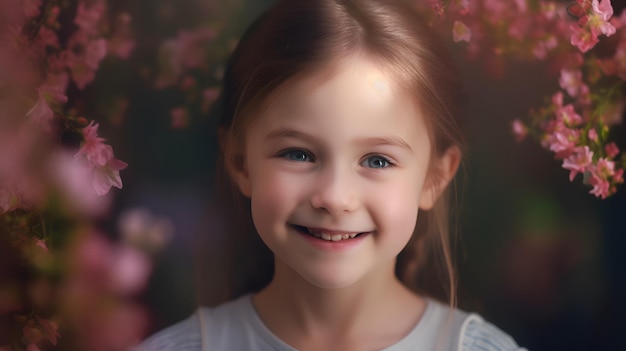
(331, 280)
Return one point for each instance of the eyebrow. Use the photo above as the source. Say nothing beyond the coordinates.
(375, 141)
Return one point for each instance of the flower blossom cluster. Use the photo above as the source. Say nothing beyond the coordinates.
(576, 124)
(185, 64)
(50, 51)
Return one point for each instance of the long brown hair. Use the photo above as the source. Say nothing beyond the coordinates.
(298, 37)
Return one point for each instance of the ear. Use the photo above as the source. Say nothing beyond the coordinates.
(238, 171)
(439, 176)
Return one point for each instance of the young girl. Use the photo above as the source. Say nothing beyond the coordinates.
(338, 136)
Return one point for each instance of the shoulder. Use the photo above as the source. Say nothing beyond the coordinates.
(480, 335)
(183, 336)
(223, 321)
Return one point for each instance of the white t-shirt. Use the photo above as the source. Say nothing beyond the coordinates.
(235, 326)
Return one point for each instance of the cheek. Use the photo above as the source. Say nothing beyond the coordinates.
(397, 207)
(273, 196)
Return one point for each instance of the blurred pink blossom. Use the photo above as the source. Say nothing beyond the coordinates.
(91, 141)
(89, 14)
(121, 44)
(208, 98)
(94, 296)
(83, 57)
(129, 271)
(460, 32)
(31, 7)
(598, 19)
(140, 228)
(180, 118)
(568, 116)
(188, 50)
(578, 161)
(592, 135)
(611, 150)
(519, 130)
(601, 173)
(41, 113)
(582, 38)
(614, 113)
(50, 330)
(75, 181)
(563, 142)
(571, 80)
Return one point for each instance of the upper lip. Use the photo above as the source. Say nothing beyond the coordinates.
(332, 231)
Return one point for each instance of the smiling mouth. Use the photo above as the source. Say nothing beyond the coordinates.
(324, 235)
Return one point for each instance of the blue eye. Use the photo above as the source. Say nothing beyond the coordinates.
(376, 162)
(297, 155)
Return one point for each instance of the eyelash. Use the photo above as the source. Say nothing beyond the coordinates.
(383, 158)
(309, 158)
(287, 153)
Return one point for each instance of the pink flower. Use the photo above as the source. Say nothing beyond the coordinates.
(592, 135)
(91, 141)
(611, 150)
(7, 200)
(543, 46)
(578, 161)
(31, 7)
(88, 16)
(584, 96)
(582, 38)
(107, 171)
(192, 45)
(438, 7)
(208, 97)
(180, 118)
(571, 80)
(50, 330)
(568, 116)
(600, 186)
(519, 130)
(603, 9)
(618, 177)
(614, 113)
(548, 9)
(74, 178)
(41, 113)
(140, 228)
(462, 6)
(129, 271)
(94, 53)
(563, 141)
(100, 160)
(83, 57)
(557, 100)
(460, 32)
(121, 43)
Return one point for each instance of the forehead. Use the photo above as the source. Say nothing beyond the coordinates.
(352, 91)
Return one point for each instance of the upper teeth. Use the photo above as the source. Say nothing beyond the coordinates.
(334, 237)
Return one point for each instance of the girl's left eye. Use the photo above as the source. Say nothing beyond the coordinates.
(376, 162)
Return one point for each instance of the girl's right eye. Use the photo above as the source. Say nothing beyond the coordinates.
(297, 155)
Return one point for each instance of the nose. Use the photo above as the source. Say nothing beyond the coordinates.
(335, 191)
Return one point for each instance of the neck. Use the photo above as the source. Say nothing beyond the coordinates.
(291, 306)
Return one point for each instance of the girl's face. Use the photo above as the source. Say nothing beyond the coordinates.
(336, 168)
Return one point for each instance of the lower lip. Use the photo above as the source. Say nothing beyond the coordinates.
(340, 245)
